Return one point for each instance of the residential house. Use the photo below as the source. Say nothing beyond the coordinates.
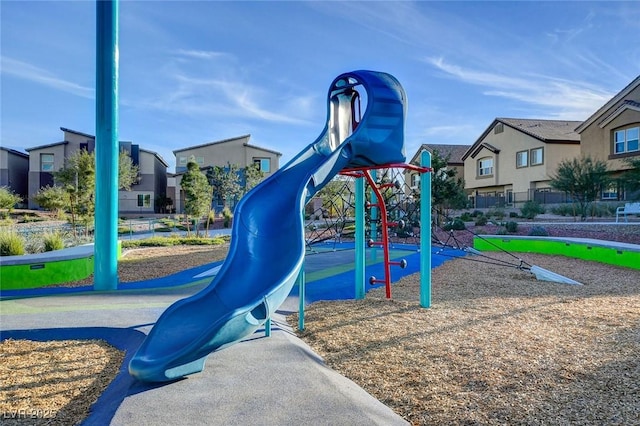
(612, 134)
(152, 176)
(453, 152)
(14, 171)
(236, 151)
(514, 159)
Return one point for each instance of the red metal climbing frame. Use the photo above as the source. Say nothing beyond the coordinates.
(360, 172)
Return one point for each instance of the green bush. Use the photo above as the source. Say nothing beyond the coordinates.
(511, 226)
(481, 221)
(563, 210)
(531, 209)
(466, 216)
(502, 231)
(174, 241)
(456, 224)
(53, 241)
(11, 244)
(497, 213)
(227, 216)
(513, 214)
(538, 231)
(477, 213)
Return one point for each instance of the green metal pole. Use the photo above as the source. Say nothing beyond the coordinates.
(106, 216)
(360, 260)
(425, 231)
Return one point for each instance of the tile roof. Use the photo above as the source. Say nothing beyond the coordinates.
(455, 151)
(545, 130)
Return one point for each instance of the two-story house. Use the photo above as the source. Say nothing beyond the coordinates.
(454, 154)
(612, 134)
(236, 151)
(14, 171)
(152, 170)
(514, 159)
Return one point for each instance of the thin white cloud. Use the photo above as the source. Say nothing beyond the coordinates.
(215, 96)
(560, 98)
(26, 71)
(200, 54)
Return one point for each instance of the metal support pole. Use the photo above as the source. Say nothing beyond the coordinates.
(267, 327)
(360, 261)
(106, 216)
(301, 290)
(373, 214)
(425, 231)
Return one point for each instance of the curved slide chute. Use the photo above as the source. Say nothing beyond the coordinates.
(267, 247)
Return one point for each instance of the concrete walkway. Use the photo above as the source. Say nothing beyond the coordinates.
(276, 380)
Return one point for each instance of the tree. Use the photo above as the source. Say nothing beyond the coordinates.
(447, 191)
(631, 177)
(8, 199)
(77, 178)
(127, 171)
(332, 196)
(225, 182)
(197, 193)
(252, 177)
(582, 179)
(52, 198)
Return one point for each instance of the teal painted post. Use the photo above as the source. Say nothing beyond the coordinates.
(425, 231)
(106, 216)
(360, 260)
(301, 288)
(267, 327)
(374, 216)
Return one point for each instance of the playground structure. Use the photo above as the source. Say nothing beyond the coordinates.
(255, 279)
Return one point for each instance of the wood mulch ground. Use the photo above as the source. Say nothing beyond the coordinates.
(496, 347)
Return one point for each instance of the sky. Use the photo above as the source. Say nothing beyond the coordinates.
(191, 73)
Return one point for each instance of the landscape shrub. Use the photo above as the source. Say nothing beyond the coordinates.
(531, 209)
(513, 214)
(538, 231)
(481, 220)
(11, 244)
(563, 210)
(502, 231)
(53, 241)
(227, 215)
(511, 226)
(456, 224)
(497, 213)
(466, 216)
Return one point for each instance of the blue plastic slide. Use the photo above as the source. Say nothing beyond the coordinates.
(267, 246)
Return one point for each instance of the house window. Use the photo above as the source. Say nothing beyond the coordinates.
(200, 161)
(522, 159)
(415, 181)
(498, 129)
(264, 164)
(182, 161)
(536, 156)
(46, 162)
(626, 140)
(144, 200)
(485, 166)
(610, 192)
